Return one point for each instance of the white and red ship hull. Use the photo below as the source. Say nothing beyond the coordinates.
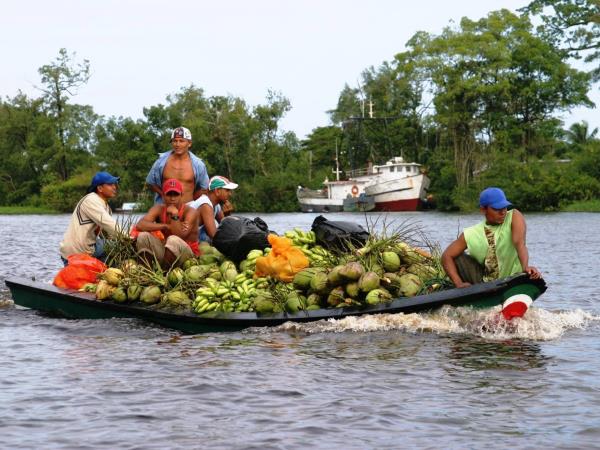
(395, 186)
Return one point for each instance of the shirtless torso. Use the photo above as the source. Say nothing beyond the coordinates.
(180, 168)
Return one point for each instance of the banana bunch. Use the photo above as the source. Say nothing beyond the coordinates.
(250, 262)
(307, 242)
(228, 295)
(317, 255)
(300, 237)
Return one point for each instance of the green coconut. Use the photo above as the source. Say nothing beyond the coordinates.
(129, 266)
(178, 298)
(352, 289)
(230, 274)
(215, 273)
(295, 302)
(377, 296)
(378, 269)
(368, 281)
(352, 271)
(263, 305)
(190, 263)
(196, 273)
(104, 290)
(208, 250)
(408, 254)
(410, 284)
(227, 265)
(318, 283)
(207, 259)
(423, 271)
(391, 282)
(334, 277)
(391, 261)
(303, 278)
(336, 296)
(175, 276)
(119, 295)
(150, 295)
(314, 299)
(133, 292)
(112, 275)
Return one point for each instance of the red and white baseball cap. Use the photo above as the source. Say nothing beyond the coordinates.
(181, 132)
(172, 185)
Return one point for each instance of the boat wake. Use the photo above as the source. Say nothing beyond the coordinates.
(536, 324)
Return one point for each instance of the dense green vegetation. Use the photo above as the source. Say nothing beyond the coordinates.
(476, 104)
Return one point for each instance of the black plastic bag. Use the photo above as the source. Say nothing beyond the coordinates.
(236, 236)
(339, 235)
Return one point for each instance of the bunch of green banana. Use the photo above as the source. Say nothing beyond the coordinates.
(228, 295)
(317, 255)
(300, 237)
(250, 262)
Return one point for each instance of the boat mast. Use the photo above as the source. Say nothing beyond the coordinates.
(337, 170)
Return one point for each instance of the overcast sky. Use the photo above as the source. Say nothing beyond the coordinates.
(141, 51)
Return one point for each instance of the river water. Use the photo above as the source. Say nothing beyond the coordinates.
(436, 380)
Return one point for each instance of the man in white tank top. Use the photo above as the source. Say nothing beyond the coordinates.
(209, 206)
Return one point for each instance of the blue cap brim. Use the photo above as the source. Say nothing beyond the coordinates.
(501, 204)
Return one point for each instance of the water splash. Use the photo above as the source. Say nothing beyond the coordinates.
(537, 324)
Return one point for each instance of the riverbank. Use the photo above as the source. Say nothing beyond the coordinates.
(583, 206)
(14, 210)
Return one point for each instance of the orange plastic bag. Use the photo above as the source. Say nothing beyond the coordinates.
(134, 233)
(283, 261)
(82, 269)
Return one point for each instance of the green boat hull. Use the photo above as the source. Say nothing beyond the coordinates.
(81, 305)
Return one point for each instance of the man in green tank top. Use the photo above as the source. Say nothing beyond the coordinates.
(496, 246)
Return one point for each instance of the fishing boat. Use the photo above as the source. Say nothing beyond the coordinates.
(82, 305)
(362, 203)
(394, 186)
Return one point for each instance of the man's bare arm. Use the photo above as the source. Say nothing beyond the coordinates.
(455, 249)
(519, 233)
(156, 189)
(207, 219)
(149, 221)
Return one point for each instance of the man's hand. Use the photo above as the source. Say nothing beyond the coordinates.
(534, 274)
(172, 210)
(185, 227)
(227, 208)
(463, 284)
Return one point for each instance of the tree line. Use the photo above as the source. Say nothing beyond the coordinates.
(476, 105)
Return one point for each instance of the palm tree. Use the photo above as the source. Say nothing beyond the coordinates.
(579, 133)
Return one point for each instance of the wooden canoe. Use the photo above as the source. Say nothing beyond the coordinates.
(81, 305)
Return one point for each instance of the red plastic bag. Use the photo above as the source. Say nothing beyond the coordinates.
(82, 269)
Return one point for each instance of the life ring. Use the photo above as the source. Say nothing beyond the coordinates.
(355, 190)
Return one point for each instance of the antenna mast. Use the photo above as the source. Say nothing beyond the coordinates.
(337, 162)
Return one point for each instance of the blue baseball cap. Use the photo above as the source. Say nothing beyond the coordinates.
(102, 178)
(493, 197)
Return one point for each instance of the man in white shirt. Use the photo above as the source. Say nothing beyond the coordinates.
(210, 206)
(91, 216)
